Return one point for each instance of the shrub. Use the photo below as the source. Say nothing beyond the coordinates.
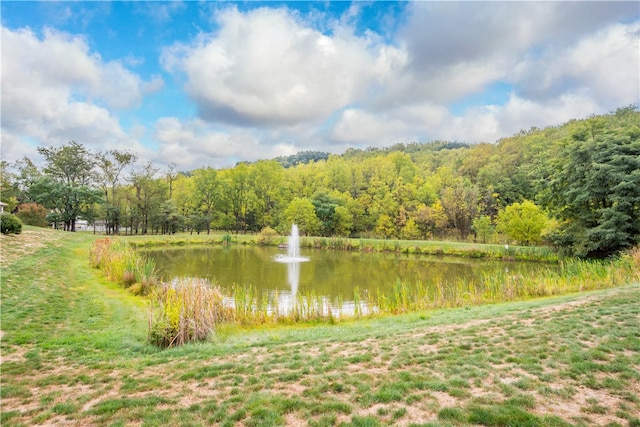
(10, 224)
(33, 214)
(522, 222)
(136, 289)
(266, 236)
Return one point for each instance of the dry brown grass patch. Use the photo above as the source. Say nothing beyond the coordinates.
(16, 246)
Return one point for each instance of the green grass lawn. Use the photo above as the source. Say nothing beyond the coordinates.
(74, 352)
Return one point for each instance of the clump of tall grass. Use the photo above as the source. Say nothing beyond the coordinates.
(573, 276)
(246, 305)
(631, 259)
(304, 309)
(227, 239)
(340, 243)
(186, 310)
(122, 264)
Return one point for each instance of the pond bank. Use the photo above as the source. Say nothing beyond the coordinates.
(425, 247)
(251, 307)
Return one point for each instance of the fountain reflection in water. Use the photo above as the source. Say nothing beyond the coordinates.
(293, 277)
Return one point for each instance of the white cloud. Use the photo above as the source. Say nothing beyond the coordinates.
(154, 85)
(64, 61)
(521, 114)
(160, 12)
(271, 82)
(360, 127)
(407, 123)
(456, 49)
(195, 143)
(606, 65)
(428, 122)
(55, 90)
(269, 67)
(562, 60)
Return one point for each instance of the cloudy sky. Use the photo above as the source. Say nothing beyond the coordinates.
(213, 83)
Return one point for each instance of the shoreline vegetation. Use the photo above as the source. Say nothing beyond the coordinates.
(75, 352)
(417, 247)
(173, 320)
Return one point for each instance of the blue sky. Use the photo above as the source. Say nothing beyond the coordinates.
(212, 83)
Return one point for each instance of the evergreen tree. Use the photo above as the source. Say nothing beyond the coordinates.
(596, 193)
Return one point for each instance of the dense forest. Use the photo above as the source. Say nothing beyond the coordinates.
(575, 186)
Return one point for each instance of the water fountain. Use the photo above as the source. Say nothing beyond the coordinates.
(293, 250)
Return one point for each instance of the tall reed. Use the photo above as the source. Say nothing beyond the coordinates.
(185, 311)
(246, 304)
(122, 264)
(573, 276)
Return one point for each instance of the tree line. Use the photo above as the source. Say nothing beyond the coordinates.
(576, 186)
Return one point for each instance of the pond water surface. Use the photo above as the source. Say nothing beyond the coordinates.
(336, 276)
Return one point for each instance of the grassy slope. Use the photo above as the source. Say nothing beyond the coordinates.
(74, 353)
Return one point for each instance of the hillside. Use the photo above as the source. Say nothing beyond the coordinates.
(579, 180)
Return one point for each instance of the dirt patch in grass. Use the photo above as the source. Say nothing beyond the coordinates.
(293, 420)
(598, 406)
(16, 246)
(538, 313)
(13, 353)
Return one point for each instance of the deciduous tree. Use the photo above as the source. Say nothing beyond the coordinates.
(207, 193)
(111, 165)
(460, 203)
(302, 213)
(66, 186)
(483, 228)
(148, 193)
(522, 222)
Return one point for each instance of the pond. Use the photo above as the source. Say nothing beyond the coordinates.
(337, 277)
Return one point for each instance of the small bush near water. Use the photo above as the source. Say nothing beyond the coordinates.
(10, 224)
(185, 311)
(267, 236)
